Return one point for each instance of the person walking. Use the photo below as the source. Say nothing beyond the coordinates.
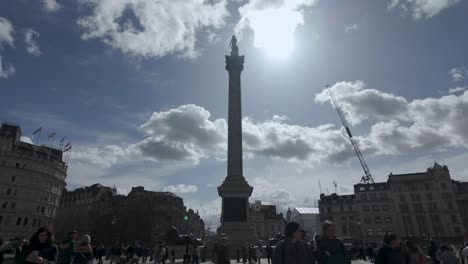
(432, 251)
(195, 254)
(2, 257)
(446, 255)
(115, 253)
(390, 252)
(244, 254)
(330, 249)
(222, 257)
(158, 250)
(41, 248)
(172, 255)
(292, 250)
(464, 253)
(67, 248)
(84, 251)
(415, 254)
(258, 253)
(269, 253)
(100, 251)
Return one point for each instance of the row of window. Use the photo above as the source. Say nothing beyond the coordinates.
(376, 207)
(11, 205)
(419, 207)
(415, 187)
(11, 191)
(416, 197)
(373, 196)
(20, 221)
(377, 219)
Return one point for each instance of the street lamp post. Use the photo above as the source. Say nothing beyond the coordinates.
(360, 233)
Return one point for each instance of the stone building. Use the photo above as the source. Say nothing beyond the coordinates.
(308, 218)
(141, 215)
(264, 221)
(415, 205)
(31, 181)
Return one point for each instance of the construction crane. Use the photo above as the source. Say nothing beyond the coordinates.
(367, 177)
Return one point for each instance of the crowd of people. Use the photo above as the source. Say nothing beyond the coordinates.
(324, 248)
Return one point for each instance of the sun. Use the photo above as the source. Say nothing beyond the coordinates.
(274, 31)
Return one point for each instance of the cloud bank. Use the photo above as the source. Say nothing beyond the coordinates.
(151, 28)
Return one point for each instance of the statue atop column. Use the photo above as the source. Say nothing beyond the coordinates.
(234, 47)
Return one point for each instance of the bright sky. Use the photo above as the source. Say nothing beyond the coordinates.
(139, 88)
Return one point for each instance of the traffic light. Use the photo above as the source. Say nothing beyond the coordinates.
(185, 217)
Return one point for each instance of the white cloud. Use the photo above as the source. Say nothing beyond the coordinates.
(6, 32)
(273, 22)
(458, 74)
(50, 5)
(457, 89)
(181, 188)
(429, 124)
(31, 45)
(360, 104)
(6, 70)
(352, 28)
(271, 193)
(422, 8)
(151, 28)
(186, 133)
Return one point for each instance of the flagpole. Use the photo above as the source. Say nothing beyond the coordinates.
(50, 148)
(39, 137)
(68, 158)
(320, 187)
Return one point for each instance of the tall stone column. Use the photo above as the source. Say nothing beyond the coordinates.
(235, 191)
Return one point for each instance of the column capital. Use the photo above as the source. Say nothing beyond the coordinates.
(234, 63)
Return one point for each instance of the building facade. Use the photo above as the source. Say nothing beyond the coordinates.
(31, 182)
(141, 215)
(308, 218)
(264, 221)
(415, 205)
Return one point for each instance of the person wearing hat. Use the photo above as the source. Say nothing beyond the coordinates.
(293, 250)
(67, 248)
(222, 256)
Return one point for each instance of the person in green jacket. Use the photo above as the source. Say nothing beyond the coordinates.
(67, 248)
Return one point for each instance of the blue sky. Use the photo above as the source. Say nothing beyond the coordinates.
(140, 90)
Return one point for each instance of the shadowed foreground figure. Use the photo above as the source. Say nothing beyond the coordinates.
(330, 249)
(293, 250)
(41, 249)
(390, 252)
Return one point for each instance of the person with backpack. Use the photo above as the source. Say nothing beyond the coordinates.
(292, 250)
(329, 248)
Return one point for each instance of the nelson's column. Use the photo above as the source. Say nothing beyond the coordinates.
(235, 191)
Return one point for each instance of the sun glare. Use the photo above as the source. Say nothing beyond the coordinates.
(274, 31)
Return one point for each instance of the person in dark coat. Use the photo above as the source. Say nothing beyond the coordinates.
(222, 257)
(41, 249)
(269, 251)
(84, 251)
(292, 250)
(2, 257)
(390, 252)
(330, 249)
(67, 248)
(432, 250)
